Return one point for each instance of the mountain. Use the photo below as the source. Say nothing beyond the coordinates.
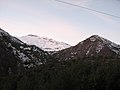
(94, 46)
(44, 43)
(14, 54)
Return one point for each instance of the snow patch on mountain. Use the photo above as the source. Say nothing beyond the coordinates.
(44, 43)
(104, 42)
(92, 39)
(99, 48)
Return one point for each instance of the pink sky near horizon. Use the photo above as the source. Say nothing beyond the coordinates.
(59, 21)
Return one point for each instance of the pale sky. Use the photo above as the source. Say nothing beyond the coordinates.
(59, 21)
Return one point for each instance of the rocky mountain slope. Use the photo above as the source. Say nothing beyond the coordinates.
(94, 46)
(44, 43)
(14, 54)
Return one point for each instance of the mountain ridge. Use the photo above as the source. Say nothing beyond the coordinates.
(94, 46)
(46, 44)
(15, 54)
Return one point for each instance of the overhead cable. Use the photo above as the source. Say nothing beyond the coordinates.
(88, 8)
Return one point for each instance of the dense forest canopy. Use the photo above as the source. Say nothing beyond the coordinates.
(82, 74)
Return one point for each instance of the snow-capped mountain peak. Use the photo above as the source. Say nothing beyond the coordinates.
(100, 43)
(104, 42)
(44, 43)
(94, 46)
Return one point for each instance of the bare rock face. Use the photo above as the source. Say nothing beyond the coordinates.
(94, 46)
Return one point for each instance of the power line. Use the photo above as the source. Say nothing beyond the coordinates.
(88, 8)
